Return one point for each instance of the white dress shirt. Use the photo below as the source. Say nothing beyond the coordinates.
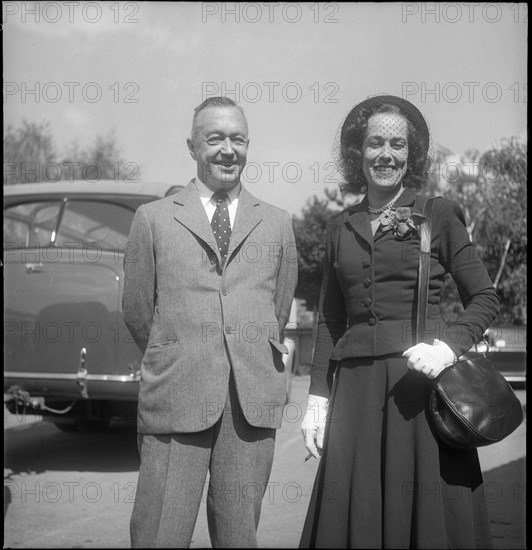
(210, 205)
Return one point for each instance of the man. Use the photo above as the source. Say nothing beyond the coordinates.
(210, 275)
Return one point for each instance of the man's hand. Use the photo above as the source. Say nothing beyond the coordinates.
(430, 360)
(313, 425)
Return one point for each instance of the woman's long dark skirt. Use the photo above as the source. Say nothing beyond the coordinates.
(383, 480)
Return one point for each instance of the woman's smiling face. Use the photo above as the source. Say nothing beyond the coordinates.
(385, 151)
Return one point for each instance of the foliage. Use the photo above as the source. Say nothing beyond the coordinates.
(503, 231)
(30, 156)
(491, 189)
(457, 178)
(26, 150)
(309, 229)
(100, 161)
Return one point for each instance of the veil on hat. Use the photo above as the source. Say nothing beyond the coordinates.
(347, 145)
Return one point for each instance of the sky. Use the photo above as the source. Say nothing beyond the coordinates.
(139, 69)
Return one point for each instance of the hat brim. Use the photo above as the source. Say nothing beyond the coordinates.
(410, 111)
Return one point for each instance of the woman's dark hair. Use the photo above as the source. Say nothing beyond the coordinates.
(352, 139)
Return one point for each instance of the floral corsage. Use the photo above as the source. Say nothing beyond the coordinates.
(403, 221)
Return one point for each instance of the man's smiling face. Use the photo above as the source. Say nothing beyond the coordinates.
(219, 145)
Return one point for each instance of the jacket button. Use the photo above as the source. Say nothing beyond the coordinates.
(367, 282)
(229, 330)
(372, 321)
(366, 263)
(367, 302)
(225, 292)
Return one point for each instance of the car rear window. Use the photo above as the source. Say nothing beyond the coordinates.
(30, 224)
(39, 223)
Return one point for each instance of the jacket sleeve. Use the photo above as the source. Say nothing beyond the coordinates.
(332, 320)
(138, 299)
(286, 276)
(460, 258)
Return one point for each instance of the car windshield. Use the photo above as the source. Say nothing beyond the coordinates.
(70, 223)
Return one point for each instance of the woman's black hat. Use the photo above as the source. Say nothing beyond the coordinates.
(410, 111)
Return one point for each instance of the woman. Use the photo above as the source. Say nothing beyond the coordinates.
(384, 480)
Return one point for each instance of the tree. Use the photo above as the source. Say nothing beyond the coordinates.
(491, 189)
(456, 178)
(100, 161)
(27, 150)
(309, 229)
(30, 156)
(503, 231)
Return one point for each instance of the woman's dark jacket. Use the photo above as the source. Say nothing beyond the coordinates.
(368, 300)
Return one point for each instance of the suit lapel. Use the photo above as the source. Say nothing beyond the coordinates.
(359, 218)
(360, 222)
(407, 198)
(190, 213)
(248, 216)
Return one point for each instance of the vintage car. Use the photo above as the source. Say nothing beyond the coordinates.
(68, 355)
(505, 347)
(67, 352)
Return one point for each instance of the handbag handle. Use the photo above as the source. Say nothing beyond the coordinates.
(424, 270)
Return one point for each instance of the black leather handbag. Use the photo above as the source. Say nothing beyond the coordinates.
(471, 404)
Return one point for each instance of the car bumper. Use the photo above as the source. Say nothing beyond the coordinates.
(70, 386)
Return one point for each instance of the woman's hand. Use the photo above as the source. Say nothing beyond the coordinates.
(430, 360)
(313, 425)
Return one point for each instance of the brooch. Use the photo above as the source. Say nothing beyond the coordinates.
(402, 221)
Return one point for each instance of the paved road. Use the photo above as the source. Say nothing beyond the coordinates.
(76, 490)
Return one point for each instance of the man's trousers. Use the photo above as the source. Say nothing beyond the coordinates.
(172, 482)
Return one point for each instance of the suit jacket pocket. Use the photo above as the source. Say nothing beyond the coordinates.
(163, 345)
(278, 346)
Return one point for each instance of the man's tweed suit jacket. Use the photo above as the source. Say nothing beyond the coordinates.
(195, 320)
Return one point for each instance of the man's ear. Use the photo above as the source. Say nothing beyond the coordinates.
(190, 144)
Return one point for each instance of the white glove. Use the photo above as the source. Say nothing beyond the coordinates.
(313, 425)
(430, 360)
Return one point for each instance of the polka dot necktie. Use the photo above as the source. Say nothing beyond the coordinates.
(221, 225)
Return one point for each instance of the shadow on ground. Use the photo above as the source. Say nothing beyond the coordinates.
(41, 447)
